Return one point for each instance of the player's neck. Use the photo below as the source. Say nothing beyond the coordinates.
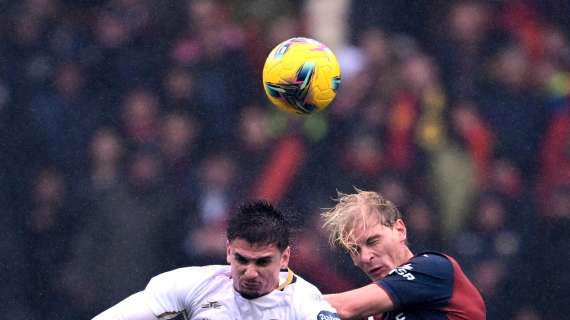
(406, 255)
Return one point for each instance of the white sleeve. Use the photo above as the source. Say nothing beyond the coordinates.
(310, 303)
(166, 295)
(132, 308)
(315, 307)
(174, 292)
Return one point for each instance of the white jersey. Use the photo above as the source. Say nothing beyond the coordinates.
(207, 293)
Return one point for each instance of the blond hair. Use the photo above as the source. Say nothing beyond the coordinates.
(357, 210)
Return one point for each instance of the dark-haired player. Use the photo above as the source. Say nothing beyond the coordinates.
(256, 284)
(428, 285)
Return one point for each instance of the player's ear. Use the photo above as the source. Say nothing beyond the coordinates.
(228, 251)
(400, 227)
(285, 258)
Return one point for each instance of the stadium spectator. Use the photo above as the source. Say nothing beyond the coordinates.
(555, 157)
(140, 115)
(213, 195)
(547, 253)
(179, 89)
(423, 222)
(64, 116)
(463, 43)
(106, 153)
(52, 217)
(509, 88)
(125, 230)
(179, 146)
(488, 246)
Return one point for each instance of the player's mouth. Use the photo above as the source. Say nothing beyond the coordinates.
(250, 285)
(250, 291)
(376, 272)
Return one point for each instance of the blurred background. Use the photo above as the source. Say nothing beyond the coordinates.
(130, 130)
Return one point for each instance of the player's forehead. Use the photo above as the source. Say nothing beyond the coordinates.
(249, 250)
(367, 228)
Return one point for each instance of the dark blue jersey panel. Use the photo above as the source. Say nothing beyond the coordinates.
(424, 282)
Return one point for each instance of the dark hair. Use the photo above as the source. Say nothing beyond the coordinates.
(258, 222)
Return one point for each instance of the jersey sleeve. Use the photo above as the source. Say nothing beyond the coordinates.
(169, 293)
(426, 280)
(311, 305)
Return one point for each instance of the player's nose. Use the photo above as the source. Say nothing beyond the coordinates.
(366, 255)
(250, 272)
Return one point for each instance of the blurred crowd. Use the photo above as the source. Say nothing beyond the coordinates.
(130, 129)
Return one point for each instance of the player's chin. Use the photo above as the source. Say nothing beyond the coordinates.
(250, 290)
(373, 277)
(250, 294)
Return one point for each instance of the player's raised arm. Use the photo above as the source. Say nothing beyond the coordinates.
(132, 308)
(360, 303)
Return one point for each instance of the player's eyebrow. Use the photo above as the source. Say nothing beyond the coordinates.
(258, 259)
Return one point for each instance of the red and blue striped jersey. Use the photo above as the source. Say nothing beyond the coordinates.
(432, 286)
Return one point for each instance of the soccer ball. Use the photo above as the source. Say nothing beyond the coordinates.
(301, 75)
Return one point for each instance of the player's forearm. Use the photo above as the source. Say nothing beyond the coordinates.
(360, 303)
(132, 308)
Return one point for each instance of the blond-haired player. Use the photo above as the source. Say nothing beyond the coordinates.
(425, 285)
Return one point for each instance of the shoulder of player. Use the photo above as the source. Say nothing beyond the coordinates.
(300, 288)
(309, 302)
(190, 275)
(203, 271)
(431, 262)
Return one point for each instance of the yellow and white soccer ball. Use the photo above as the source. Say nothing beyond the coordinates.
(301, 75)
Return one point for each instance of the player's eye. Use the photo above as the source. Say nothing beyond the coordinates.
(241, 260)
(372, 241)
(263, 262)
